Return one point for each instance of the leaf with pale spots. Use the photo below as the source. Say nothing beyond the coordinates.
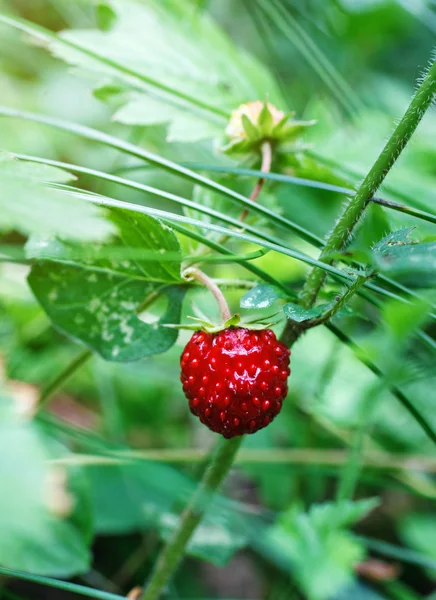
(262, 296)
(97, 301)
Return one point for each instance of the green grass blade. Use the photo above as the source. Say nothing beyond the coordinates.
(228, 170)
(403, 399)
(61, 585)
(298, 37)
(404, 554)
(171, 217)
(162, 163)
(205, 210)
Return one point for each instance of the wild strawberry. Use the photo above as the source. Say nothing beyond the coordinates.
(236, 379)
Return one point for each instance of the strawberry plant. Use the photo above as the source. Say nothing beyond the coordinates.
(191, 191)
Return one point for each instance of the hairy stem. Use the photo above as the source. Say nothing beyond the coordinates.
(343, 229)
(194, 273)
(174, 550)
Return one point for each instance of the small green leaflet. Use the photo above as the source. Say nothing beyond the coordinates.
(29, 206)
(96, 301)
(262, 296)
(395, 238)
(299, 314)
(320, 549)
(412, 262)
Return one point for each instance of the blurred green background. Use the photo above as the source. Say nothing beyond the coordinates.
(356, 83)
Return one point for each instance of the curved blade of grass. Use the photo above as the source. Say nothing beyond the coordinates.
(147, 189)
(133, 78)
(407, 210)
(408, 405)
(160, 162)
(228, 170)
(205, 210)
(60, 585)
(357, 174)
(163, 163)
(301, 181)
(171, 217)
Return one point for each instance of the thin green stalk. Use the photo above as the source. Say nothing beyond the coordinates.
(63, 377)
(398, 552)
(407, 210)
(403, 399)
(342, 300)
(344, 227)
(231, 170)
(173, 552)
(61, 585)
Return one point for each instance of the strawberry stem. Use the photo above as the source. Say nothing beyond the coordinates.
(266, 151)
(356, 206)
(195, 273)
(174, 550)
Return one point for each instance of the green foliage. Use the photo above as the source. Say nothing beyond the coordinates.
(360, 416)
(144, 496)
(262, 296)
(194, 81)
(321, 552)
(30, 207)
(106, 294)
(43, 518)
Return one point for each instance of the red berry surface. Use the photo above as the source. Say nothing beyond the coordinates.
(236, 379)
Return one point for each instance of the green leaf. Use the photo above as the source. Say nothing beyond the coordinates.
(262, 296)
(36, 537)
(30, 207)
(414, 264)
(395, 238)
(183, 125)
(138, 497)
(96, 302)
(250, 128)
(321, 552)
(265, 121)
(299, 314)
(201, 75)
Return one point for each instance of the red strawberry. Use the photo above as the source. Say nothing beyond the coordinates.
(235, 380)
